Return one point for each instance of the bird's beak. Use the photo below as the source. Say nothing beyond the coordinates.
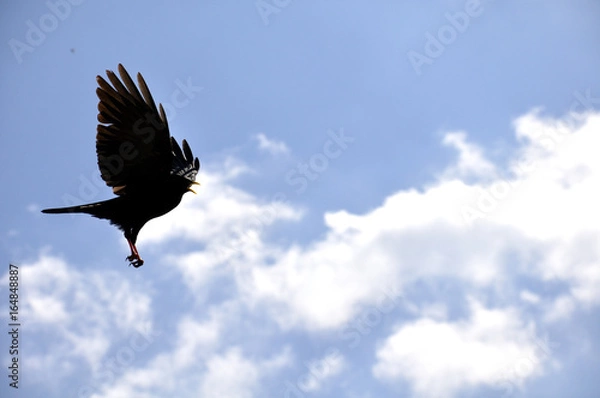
(190, 189)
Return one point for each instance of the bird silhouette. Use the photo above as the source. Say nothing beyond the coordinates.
(145, 167)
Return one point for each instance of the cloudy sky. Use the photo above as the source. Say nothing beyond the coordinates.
(398, 199)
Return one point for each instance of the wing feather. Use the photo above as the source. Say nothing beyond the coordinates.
(184, 164)
(131, 87)
(133, 141)
(146, 93)
(187, 151)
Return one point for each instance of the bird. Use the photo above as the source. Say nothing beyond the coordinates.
(137, 157)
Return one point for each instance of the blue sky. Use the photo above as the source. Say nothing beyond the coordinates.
(399, 199)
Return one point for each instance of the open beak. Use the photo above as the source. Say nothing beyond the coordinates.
(190, 189)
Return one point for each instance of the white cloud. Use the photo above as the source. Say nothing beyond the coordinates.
(382, 249)
(560, 308)
(230, 375)
(59, 295)
(529, 297)
(272, 146)
(80, 313)
(174, 368)
(441, 358)
(547, 222)
(196, 359)
(471, 161)
(233, 375)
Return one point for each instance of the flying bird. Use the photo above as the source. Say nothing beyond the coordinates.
(137, 157)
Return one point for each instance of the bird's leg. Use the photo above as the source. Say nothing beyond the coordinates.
(134, 259)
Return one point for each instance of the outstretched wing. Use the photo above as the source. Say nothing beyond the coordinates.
(133, 141)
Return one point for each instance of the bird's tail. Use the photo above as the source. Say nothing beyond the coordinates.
(91, 208)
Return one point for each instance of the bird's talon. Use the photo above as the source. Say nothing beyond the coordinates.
(135, 261)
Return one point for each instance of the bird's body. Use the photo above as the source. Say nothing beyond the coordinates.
(146, 167)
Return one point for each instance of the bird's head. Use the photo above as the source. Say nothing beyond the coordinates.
(185, 165)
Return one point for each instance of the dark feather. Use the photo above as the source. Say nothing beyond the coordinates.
(133, 140)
